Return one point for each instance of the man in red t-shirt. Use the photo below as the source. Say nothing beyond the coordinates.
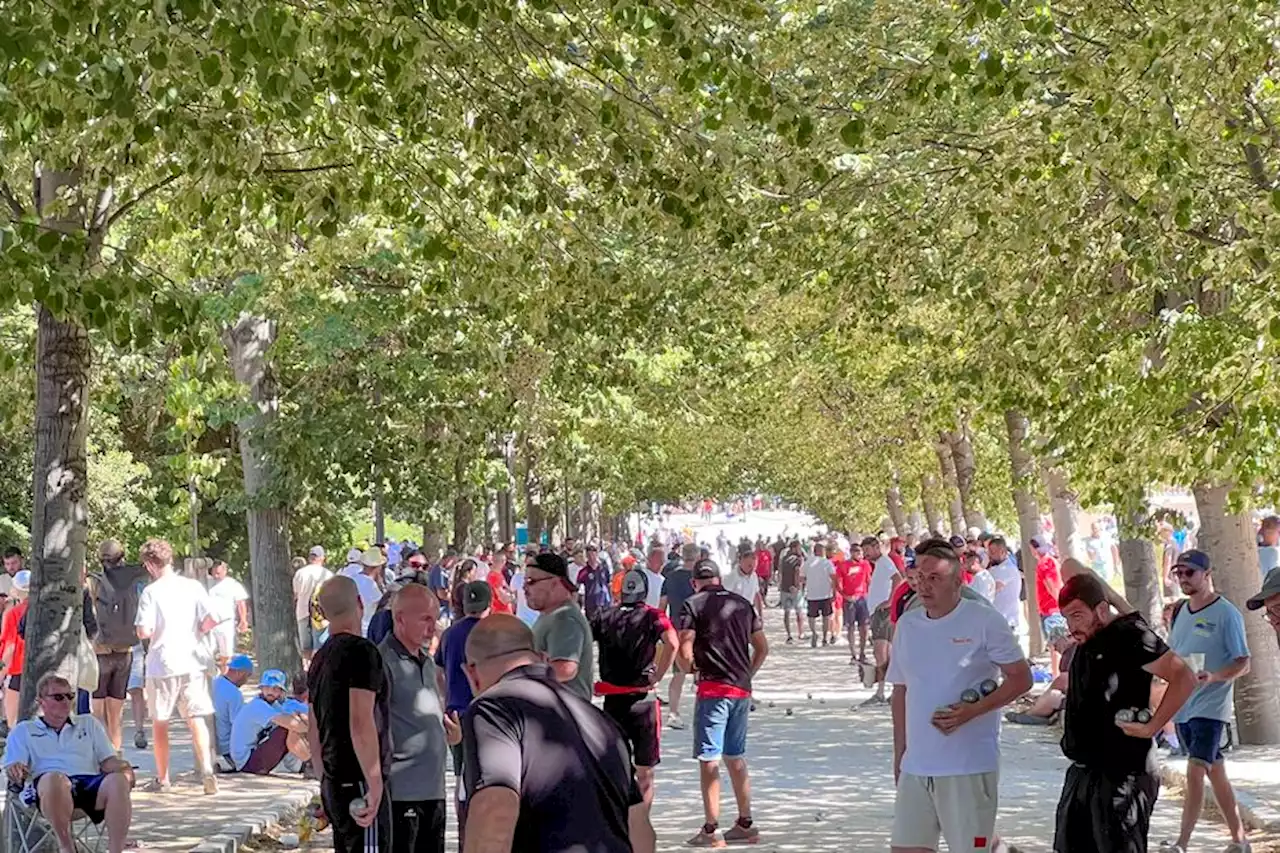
(1048, 585)
(764, 569)
(853, 576)
(503, 597)
(898, 553)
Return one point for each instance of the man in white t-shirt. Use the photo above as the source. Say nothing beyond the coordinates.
(373, 561)
(654, 561)
(174, 613)
(1008, 598)
(305, 583)
(743, 579)
(884, 577)
(946, 750)
(820, 590)
(230, 602)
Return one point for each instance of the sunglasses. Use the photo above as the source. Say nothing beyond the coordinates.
(535, 581)
(60, 697)
(1184, 573)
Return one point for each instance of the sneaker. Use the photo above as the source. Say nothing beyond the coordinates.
(824, 642)
(1233, 847)
(705, 839)
(157, 786)
(1027, 719)
(789, 641)
(210, 784)
(674, 721)
(739, 834)
(813, 641)
(874, 700)
(1171, 847)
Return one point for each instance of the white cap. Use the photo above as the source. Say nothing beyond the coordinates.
(317, 551)
(22, 581)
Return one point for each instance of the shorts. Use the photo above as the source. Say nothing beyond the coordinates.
(273, 746)
(1202, 739)
(84, 794)
(1055, 626)
(855, 612)
(881, 624)
(137, 668)
(638, 716)
(186, 694)
(14, 682)
(349, 836)
(960, 809)
(308, 637)
(789, 600)
(1104, 813)
(113, 675)
(224, 638)
(819, 607)
(720, 728)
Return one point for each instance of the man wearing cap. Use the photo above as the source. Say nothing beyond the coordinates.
(1269, 598)
(305, 583)
(227, 702)
(1209, 631)
(789, 588)
(722, 640)
(372, 565)
(516, 795)
(631, 665)
(677, 587)
(114, 592)
(1048, 585)
(562, 632)
(417, 724)
(450, 657)
(265, 737)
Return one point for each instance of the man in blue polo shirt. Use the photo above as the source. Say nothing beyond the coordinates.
(451, 657)
(227, 702)
(265, 737)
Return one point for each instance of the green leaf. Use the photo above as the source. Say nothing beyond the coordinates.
(210, 71)
(1273, 328)
(853, 132)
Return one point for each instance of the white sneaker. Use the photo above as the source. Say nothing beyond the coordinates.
(1239, 847)
(1171, 847)
(674, 722)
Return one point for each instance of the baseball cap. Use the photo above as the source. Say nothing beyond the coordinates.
(476, 598)
(353, 556)
(956, 541)
(1270, 587)
(317, 551)
(242, 663)
(1194, 559)
(745, 550)
(22, 581)
(690, 551)
(635, 587)
(706, 570)
(273, 678)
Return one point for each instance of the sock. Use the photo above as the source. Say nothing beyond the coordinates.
(745, 822)
(709, 829)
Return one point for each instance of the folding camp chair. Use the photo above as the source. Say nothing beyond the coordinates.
(26, 830)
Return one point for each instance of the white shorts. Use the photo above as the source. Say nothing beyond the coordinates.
(137, 668)
(959, 809)
(224, 637)
(187, 694)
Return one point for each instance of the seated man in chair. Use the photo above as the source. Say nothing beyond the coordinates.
(71, 763)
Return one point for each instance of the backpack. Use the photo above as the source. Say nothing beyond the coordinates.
(116, 609)
(318, 622)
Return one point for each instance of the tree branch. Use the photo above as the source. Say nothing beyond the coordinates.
(304, 169)
(12, 199)
(133, 202)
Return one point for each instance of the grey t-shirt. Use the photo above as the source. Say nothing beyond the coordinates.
(565, 634)
(417, 724)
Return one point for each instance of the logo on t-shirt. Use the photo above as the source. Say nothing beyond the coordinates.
(962, 641)
(1204, 627)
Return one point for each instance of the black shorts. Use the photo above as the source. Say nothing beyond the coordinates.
(855, 612)
(638, 716)
(269, 752)
(1104, 813)
(84, 794)
(349, 836)
(15, 682)
(113, 675)
(819, 607)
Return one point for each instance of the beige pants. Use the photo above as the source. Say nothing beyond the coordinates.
(959, 809)
(186, 694)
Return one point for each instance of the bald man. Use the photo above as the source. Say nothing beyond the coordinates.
(417, 723)
(351, 733)
(523, 716)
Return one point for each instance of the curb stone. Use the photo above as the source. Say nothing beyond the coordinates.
(234, 835)
(1257, 815)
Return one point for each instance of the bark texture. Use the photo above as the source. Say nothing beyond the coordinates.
(535, 517)
(932, 516)
(274, 631)
(966, 470)
(1022, 470)
(1067, 515)
(1228, 540)
(463, 510)
(1141, 580)
(947, 465)
(893, 504)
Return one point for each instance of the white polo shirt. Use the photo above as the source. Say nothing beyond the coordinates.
(78, 750)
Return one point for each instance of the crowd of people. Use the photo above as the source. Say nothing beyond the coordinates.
(532, 675)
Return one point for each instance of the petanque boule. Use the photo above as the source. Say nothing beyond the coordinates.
(988, 686)
(359, 804)
(788, 712)
(1143, 716)
(1125, 715)
(970, 696)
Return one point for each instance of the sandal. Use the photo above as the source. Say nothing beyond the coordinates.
(156, 786)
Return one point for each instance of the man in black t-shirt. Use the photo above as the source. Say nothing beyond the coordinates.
(352, 732)
(722, 640)
(545, 770)
(630, 665)
(790, 582)
(1110, 788)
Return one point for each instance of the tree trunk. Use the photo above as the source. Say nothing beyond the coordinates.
(1228, 540)
(1138, 567)
(433, 543)
(966, 470)
(379, 517)
(933, 518)
(59, 524)
(1066, 516)
(535, 518)
(462, 510)
(506, 493)
(490, 515)
(947, 464)
(1022, 471)
(893, 503)
(275, 633)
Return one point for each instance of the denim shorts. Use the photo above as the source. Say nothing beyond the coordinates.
(720, 728)
(1202, 739)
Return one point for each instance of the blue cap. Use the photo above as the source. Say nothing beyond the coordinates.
(272, 678)
(241, 663)
(1193, 559)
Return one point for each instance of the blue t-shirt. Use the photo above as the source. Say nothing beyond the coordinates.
(436, 578)
(451, 657)
(253, 719)
(227, 702)
(1217, 632)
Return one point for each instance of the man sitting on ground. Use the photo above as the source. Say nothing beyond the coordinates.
(71, 763)
(267, 736)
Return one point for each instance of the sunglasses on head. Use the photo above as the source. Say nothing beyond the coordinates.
(60, 697)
